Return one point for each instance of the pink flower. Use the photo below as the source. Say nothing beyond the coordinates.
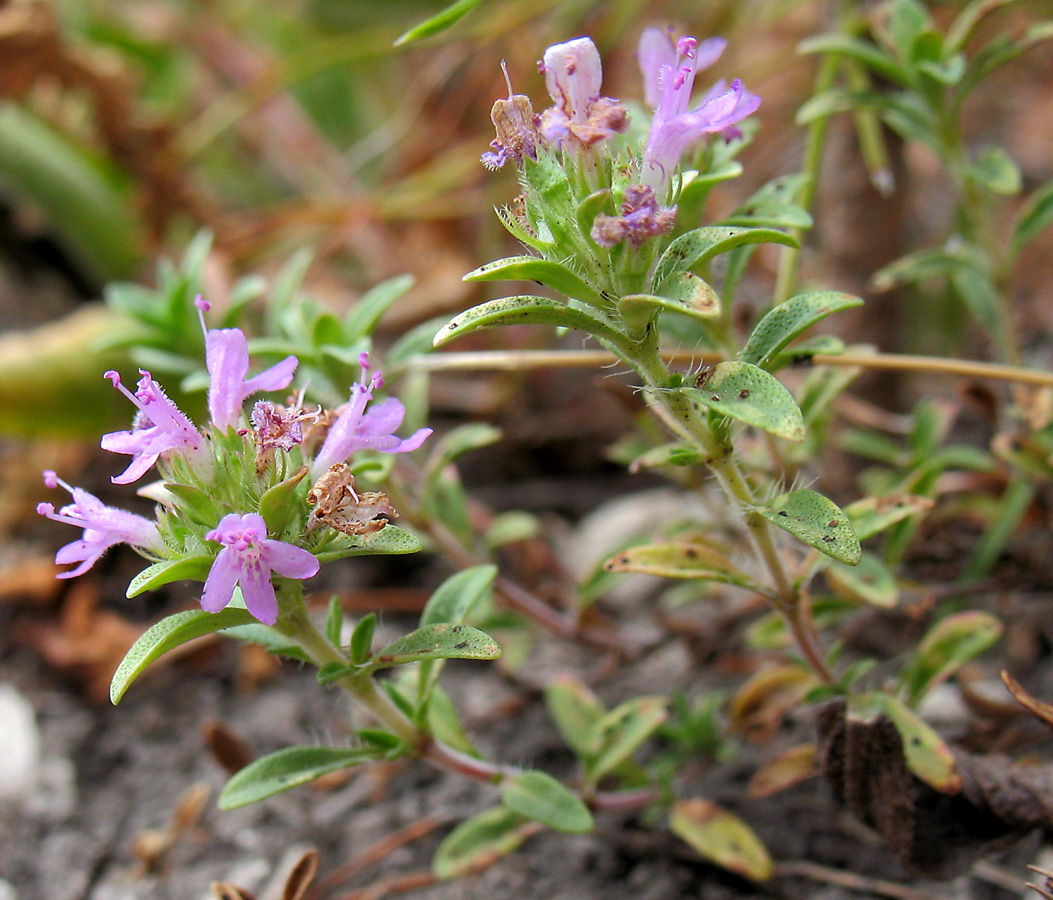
(227, 359)
(573, 76)
(249, 558)
(103, 527)
(357, 428)
(160, 427)
(669, 76)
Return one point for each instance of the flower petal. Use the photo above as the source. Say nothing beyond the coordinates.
(222, 578)
(275, 378)
(227, 359)
(382, 418)
(655, 50)
(288, 560)
(260, 599)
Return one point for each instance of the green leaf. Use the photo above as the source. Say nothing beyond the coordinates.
(964, 23)
(784, 322)
(195, 501)
(442, 641)
(871, 582)
(168, 634)
(926, 753)
(619, 734)
(362, 639)
(286, 769)
(700, 245)
(870, 55)
(576, 712)
(455, 597)
(996, 171)
(946, 647)
(268, 638)
(872, 515)
(439, 22)
(980, 294)
(362, 318)
(685, 293)
(474, 843)
(450, 604)
(551, 274)
(445, 724)
(1034, 218)
(748, 393)
(390, 540)
(907, 23)
(509, 527)
(680, 560)
(455, 443)
(278, 504)
(721, 838)
(192, 568)
(540, 797)
(816, 520)
(334, 621)
(526, 310)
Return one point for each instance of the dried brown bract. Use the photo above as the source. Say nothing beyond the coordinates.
(339, 506)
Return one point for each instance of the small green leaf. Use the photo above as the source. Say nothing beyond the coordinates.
(540, 797)
(684, 293)
(746, 392)
(362, 639)
(474, 843)
(362, 318)
(442, 641)
(871, 582)
(1034, 218)
(390, 540)
(674, 453)
(996, 170)
(721, 838)
(191, 568)
(870, 55)
(168, 634)
(680, 560)
(872, 515)
(576, 712)
(333, 671)
(268, 638)
(445, 724)
(783, 323)
(195, 501)
(551, 274)
(526, 310)
(948, 645)
(439, 22)
(454, 444)
(816, 520)
(450, 604)
(334, 621)
(700, 245)
(278, 503)
(455, 597)
(286, 769)
(926, 753)
(619, 734)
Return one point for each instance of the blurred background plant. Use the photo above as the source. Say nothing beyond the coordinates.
(233, 135)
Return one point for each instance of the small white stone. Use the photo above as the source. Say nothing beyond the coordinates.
(20, 738)
(7, 890)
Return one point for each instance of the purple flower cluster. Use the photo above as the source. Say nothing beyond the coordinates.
(641, 218)
(161, 431)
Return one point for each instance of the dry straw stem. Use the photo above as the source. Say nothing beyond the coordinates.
(525, 360)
